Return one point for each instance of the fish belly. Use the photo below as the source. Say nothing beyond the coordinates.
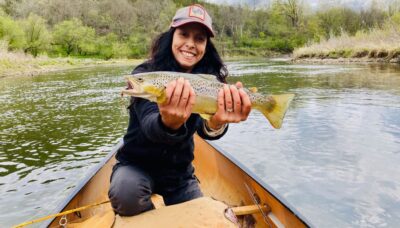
(205, 105)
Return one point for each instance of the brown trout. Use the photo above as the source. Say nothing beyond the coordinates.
(151, 86)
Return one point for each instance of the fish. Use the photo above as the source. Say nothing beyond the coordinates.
(152, 85)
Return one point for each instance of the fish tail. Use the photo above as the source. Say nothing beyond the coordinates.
(275, 107)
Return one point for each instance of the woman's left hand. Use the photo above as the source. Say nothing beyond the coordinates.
(234, 106)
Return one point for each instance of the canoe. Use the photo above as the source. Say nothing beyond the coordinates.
(233, 196)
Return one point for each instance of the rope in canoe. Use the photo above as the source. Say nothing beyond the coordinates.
(60, 214)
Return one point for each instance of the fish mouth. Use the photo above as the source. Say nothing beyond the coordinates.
(134, 88)
(134, 85)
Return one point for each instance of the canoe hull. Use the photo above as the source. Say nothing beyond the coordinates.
(221, 177)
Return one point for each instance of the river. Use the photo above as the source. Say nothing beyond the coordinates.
(336, 158)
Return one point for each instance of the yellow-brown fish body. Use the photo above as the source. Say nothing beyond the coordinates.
(152, 85)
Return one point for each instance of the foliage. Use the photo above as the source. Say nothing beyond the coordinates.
(338, 19)
(139, 45)
(109, 47)
(72, 37)
(394, 20)
(36, 35)
(12, 33)
(125, 28)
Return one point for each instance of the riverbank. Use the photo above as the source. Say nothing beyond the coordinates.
(18, 64)
(349, 56)
(345, 60)
(376, 46)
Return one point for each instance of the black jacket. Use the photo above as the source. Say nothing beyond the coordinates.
(149, 144)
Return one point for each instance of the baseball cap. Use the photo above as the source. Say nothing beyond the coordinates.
(194, 13)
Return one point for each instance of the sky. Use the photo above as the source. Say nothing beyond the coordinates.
(354, 4)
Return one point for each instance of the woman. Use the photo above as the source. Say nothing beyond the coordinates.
(158, 146)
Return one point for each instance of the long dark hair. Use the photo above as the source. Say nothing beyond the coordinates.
(162, 58)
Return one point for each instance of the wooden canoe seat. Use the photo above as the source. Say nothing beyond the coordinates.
(157, 200)
(201, 212)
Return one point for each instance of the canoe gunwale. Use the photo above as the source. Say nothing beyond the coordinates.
(259, 181)
(85, 180)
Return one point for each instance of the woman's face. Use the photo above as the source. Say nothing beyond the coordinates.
(189, 45)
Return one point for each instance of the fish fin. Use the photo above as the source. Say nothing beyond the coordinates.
(205, 116)
(208, 77)
(275, 107)
(253, 89)
(162, 98)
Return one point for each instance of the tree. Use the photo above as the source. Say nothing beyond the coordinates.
(12, 33)
(232, 22)
(374, 16)
(139, 45)
(277, 22)
(70, 36)
(153, 17)
(394, 7)
(119, 14)
(8, 6)
(110, 47)
(293, 10)
(2, 13)
(336, 20)
(258, 22)
(36, 34)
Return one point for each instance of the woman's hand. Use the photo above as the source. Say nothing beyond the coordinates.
(234, 105)
(178, 106)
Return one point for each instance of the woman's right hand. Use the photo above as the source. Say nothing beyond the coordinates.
(176, 110)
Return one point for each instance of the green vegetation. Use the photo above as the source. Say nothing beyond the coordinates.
(378, 44)
(19, 63)
(109, 29)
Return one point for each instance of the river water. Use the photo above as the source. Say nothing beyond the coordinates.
(336, 158)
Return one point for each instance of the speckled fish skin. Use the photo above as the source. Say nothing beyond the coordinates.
(152, 85)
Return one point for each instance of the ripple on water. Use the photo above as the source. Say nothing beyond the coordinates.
(334, 159)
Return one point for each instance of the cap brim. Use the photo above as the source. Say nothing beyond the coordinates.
(184, 22)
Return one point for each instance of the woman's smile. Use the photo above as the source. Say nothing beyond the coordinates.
(189, 45)
(188, 54)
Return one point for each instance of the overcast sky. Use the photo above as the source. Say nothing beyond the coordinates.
(354, 4)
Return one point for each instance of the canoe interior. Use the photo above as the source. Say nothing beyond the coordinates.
(220, 178)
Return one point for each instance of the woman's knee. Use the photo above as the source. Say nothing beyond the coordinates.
(130, 191)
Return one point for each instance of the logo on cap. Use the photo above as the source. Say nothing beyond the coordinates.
(197, 11)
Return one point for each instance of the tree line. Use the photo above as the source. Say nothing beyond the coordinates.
(124, 28)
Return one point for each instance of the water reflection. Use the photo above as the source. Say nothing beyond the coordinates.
(336, 156)
(53, 128)
(335, 159)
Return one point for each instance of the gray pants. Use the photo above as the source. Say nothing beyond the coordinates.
(131, 189)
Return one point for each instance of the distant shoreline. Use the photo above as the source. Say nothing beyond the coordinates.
(20, 64)
(346, 60)
(378, 45)
(37, 66)
(14, 66)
